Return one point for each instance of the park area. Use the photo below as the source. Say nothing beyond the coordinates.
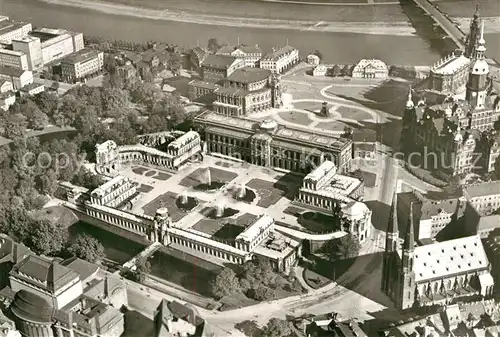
(270, 193)
(150, 173)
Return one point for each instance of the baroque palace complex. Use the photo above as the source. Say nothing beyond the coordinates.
(461, 131)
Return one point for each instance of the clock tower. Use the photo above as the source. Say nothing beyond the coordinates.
(477, 85)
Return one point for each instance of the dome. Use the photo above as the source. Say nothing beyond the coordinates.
(479, 67)
(269, 125)
(32, 308)
(355, 210)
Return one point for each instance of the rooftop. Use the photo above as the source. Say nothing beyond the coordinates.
(11, 52)
(219, 61)
(450, 64)
(45, 273)
(279, 53)
(31, 86)
(451, 257)
(249, 75)
(81, 56)
(51, 40)
(119, 179)
(254, 229)
(374, 63)
(31, 307)
(482, 189)
(321, 171)
(203, 84)
(184, 139)
(276, 246)
(14, 72)
(7, 26)
(83, 268)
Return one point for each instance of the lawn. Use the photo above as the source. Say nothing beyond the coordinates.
(269, 192)
(140, 170)
(162, 176)
(353, 113)
(309, 106)
(201, 176)
(317, 222)
(165, 200)
(314, 280)
(296, 117)
(143, 188)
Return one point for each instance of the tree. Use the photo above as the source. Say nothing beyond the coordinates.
(38, 120)
(174, 62)
(213, 45)
(225, 283)
(262, 293)
(47, 238)
(497, 167)
(15, 126)
(318, 54)
(346, 71)
(87, 179)
(47, 183)
(47, 102)
(87, 248)
(115, 98)
(336, 71)
(109, 63)
(143, 268)
(496, 125)
(277, 328)
(347, 247)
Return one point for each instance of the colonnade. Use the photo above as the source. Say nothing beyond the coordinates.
(118, 219)
(213, 250)
(146, 158)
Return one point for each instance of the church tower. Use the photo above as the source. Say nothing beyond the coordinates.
(473, 37)
(407, 273)
(390, 261)
(477, 86)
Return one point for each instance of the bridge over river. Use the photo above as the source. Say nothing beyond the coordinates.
(443, 21)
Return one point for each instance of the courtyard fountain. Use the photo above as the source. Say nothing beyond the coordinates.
(185, 202)
(242, 193)
(219, 210)
(207, 184)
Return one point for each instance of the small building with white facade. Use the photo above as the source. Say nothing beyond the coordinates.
(358, 220)
(324, 187)
(370, 68)
(320, 70)
(18, 77)
(313, 60)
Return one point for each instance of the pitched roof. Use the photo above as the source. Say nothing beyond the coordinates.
(482, 189)
(249, 75)
(43, 272)
(83, 268)
(279, 53)
(451, 257)
(409, 242)
(219, 61)
(13, 72)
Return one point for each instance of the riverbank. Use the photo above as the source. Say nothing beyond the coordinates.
(394, 28)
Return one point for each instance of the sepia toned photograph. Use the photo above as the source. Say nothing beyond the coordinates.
(249, 168)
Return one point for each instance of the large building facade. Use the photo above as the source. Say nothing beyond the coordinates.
(246, 91)
(82, 64)
(109, 156)
(10, 30)
(435, 273)
(280, 60)
(271, 145)
(13, 59)
(454, 129)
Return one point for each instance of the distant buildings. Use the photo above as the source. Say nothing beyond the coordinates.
(461, 132)
(280, 59)
(246, 91)
(18, 78)
(271, 145)
(320, 70)
(313, 60)
(330, 325)
(32, 89)
(197, 56)
(48, 298)
(370, 68)
(217, 67)
(424, 272)
(450, 74)
(251, 55)
(13, 59)
(10, 30)
(82, 64)
(481, 318)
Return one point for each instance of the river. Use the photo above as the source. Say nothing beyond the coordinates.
(336, 47)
